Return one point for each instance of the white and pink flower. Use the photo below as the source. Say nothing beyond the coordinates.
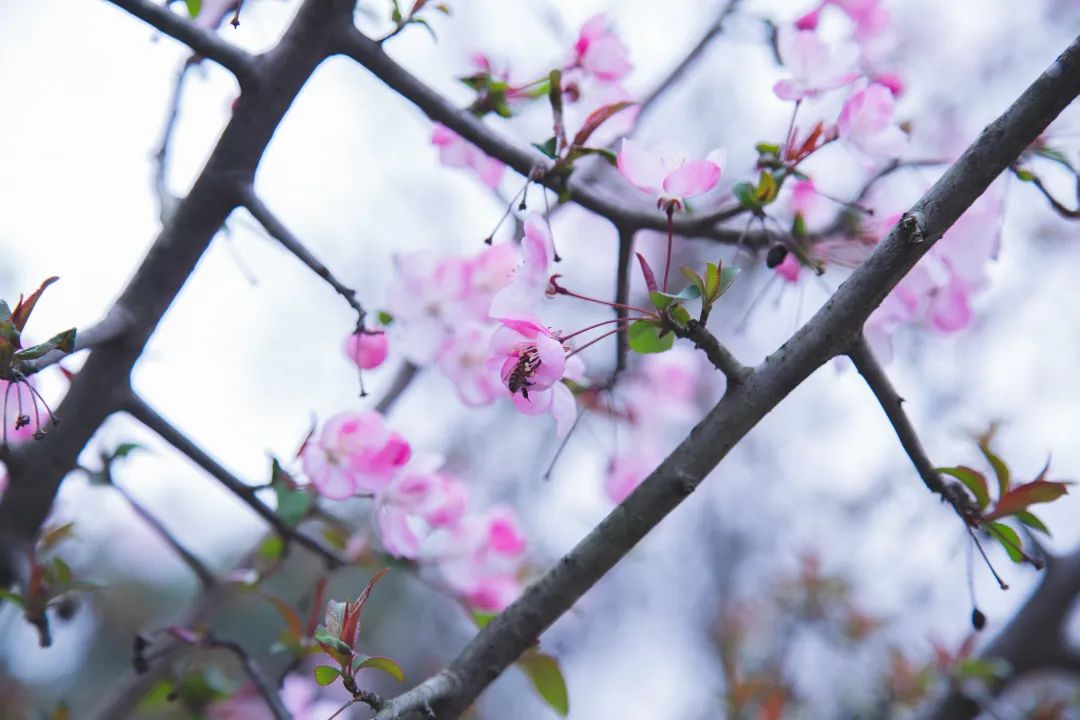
(367, 350)
(355, 452)
(815, 67)
(669, 175)
(599, 52)
(866, 124)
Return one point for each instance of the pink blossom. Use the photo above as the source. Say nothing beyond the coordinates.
(455, 151)
(668, 175)
(810, 20)
(892, 81)
(869, 17)
(367, 350)
(354, 452)
(600, 52)
(427, 297)
(625, 473)
(485, 570)
(866, 123)
(463, 358)
(530, 278)
(489, 272)
(415, 504)
(298, 695)
(814, 66)
(789, 268)
(531, 361)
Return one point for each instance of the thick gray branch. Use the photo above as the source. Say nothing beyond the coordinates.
(204, 42)
(831, 331)
(37, 469)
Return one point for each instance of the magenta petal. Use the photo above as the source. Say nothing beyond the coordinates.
(693, 178)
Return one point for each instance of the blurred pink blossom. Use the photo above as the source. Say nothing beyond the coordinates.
(815, 67)
(298, 695)
(427, 297)
(415, 503)
(457, 152)
(485, 570)
(866, 123)
(599, 52)
(463, 358)
(530, 278)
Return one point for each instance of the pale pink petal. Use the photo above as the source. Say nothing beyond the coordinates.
(563, 408)
(693, 178)
(538, 402)
(640, 166)
(538, 249)
(397, 535)
(552, 361)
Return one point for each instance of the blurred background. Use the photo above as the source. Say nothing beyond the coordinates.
(814, 522)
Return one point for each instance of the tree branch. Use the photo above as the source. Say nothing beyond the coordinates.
(717, 353)
(402, 380)
(528, 163)
(290, 242)
(252, 669)
(622, 294)
(688, 61)
(205, 42)
(141, 411)
(892, 404)
(37, 469)
(832, 330)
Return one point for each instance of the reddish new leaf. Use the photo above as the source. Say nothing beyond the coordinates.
(350, 625)
(647, 273)
(598, 117)
(1021, 496)
(22, 311)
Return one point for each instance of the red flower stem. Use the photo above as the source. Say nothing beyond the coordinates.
(670, 235)
(596, 325)
(595, 340)
(571, 293)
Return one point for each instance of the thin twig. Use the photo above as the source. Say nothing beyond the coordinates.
(206, 576)
(1056, 204)
(141, 411)
(277, 230)
(622, 295)
(892, 404)
(254, 672)
(166, 200)
(401, 382)
(204, 42)
(717, 353)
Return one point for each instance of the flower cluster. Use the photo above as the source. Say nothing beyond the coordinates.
(421, 513)
(938, 292)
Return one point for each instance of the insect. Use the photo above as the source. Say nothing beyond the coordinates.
(518, 379)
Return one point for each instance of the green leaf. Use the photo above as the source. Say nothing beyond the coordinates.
(727, 277)
(680, 314)
(124, 449)
(1032, 521)
(973, 480)
(798, 226)
(547, 678)
(1024, 175)
(384, 664)
(768, 149)
(1001, 470)
(746, 194)
(52, 536)
(711, 289)
(981, 669)
(1036, 491)
(481, 619)
(577, 152)
(13, 598)
(326, 675)
(548, 147)
(271, 548)
(385, 318)
(63, 341)
(333, 646)
(767, 188)
(1008, 538)
(193, 7)
(644, 337)
(61, 572)
(690, 292)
